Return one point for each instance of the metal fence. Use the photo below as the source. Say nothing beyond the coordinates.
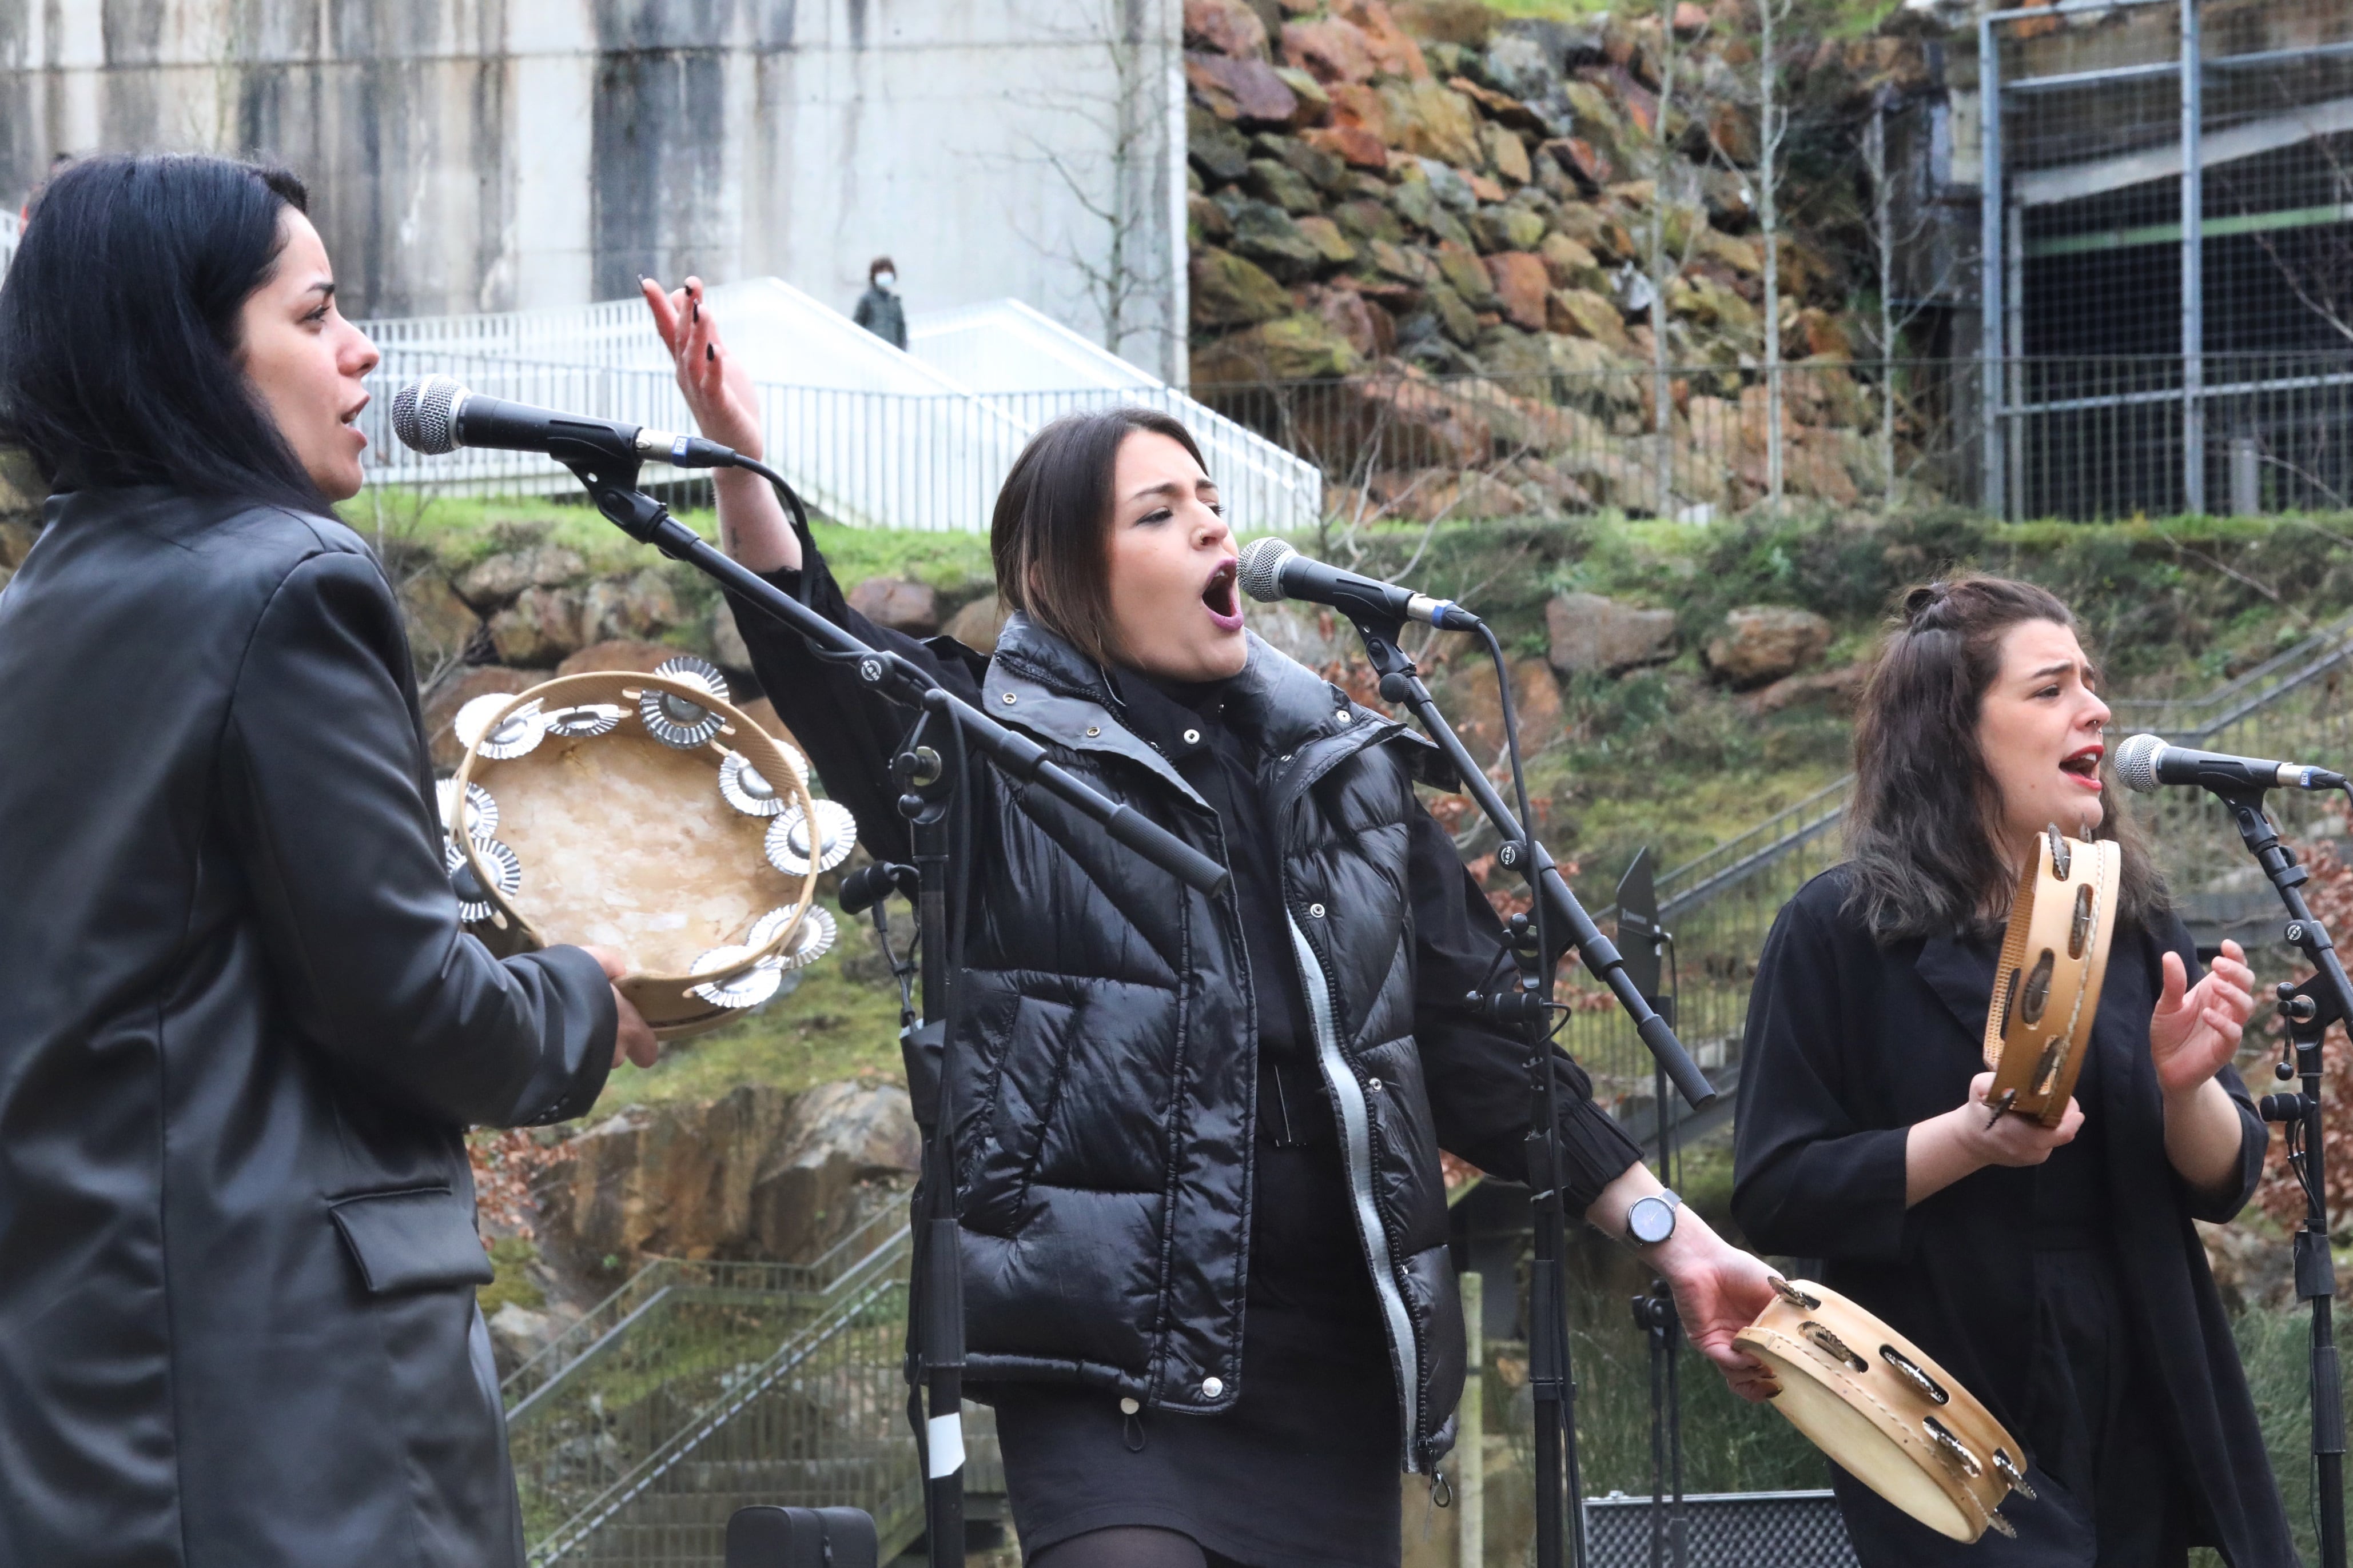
(871, 435)
(647, 1291)
(878, 459)
(1724, 1530)
(2086, 438)
(1720, 906)
(1408, 445)
(2164, 180)
(592, 1420)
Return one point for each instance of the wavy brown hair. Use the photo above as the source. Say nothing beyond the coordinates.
(1919, 830)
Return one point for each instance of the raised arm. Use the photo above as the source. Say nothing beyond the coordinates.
(727, 409)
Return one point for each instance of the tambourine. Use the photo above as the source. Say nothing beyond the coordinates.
(645, 814)
(1885, 1413)
(2046, 988)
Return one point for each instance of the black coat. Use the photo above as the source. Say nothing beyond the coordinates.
(1104, 1085)
(240, 1036)
(1849, 1044)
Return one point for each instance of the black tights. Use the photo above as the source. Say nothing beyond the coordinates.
(1130, 1546)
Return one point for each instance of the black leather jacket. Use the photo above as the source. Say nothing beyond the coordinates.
(240, 1036)
(1105, 1084)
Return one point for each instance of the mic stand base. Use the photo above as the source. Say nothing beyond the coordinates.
(2309, 1009)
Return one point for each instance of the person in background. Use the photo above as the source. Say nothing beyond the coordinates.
(879, 310)
(242, 1031)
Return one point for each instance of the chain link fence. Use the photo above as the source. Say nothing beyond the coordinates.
(2167, 193)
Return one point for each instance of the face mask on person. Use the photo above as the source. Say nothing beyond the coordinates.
(886, 281)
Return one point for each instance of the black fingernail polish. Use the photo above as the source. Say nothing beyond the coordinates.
(709, 352)
(698, 310)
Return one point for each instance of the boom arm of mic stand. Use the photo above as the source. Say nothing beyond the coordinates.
(647, 519)
(1400, 682)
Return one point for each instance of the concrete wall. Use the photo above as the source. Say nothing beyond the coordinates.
(492, 154)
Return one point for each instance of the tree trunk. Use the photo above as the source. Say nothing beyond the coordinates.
(1768, 223)
(1883, 222)
(1662, 403)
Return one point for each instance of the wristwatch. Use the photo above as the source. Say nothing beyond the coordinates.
(1652, 1219)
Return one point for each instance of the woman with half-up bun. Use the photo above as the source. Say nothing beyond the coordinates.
(2054, 1271)
(1919, 827)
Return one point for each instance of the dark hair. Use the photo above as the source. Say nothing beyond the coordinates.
(1051, 537)
(119, 328)
(1918, 831)
(879, 264)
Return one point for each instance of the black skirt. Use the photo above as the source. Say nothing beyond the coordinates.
(1303, 1471)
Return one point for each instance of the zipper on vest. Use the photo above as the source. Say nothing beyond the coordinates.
(1356, 1149)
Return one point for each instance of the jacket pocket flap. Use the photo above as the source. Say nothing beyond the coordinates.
(412, 1240)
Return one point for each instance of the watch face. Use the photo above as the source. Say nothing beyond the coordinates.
(1652, 1219)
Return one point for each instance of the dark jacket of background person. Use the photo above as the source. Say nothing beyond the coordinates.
(880, 312)
(1851, 1043)
(1104, 1078)
(240, 1036)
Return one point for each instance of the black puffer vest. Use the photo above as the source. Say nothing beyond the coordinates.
(1104, 1081)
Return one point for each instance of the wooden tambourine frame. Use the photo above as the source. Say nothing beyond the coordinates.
(2046, 988)
(1885, 1413)
(663, 999)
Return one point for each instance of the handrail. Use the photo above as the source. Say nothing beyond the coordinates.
(874, 1283)
(591, 1333)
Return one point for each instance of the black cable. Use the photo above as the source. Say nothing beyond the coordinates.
(785, 491)
(1527, 818)
(1542, 1048)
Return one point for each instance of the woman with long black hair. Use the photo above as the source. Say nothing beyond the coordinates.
(241, 1031)
(1204, 1260)
(2055, 1271)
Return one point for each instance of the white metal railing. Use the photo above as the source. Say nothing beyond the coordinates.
(870, 436)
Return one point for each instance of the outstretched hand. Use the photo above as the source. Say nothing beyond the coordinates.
(718, 389)
(727, 408)
(2195, 1030)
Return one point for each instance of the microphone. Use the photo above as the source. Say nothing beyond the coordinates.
(2145, 761)
(1272, 570)
(436, 414)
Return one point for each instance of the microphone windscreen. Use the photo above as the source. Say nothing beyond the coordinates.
(1260, 573)
(2136, 762)
(421, 414)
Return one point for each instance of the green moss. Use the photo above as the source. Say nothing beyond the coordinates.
(459, 531)
(510, 1260)
(835, 1025)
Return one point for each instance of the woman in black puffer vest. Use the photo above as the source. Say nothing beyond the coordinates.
(1198, 1137)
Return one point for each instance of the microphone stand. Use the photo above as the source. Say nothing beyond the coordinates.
(1550, 1380)
(930, 768)
(1655, 1316)
(2308, 1010)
